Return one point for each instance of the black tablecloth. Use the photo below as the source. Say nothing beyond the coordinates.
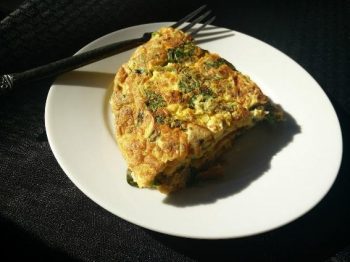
(44, 216)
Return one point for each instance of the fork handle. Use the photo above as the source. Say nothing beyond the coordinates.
(10, 81)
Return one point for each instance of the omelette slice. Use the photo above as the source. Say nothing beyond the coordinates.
(177, 107)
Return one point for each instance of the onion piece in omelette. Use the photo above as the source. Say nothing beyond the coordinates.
(177, 107)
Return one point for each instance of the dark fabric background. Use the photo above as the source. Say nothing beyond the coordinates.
(45, 217)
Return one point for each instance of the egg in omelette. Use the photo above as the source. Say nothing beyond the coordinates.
(177, 107)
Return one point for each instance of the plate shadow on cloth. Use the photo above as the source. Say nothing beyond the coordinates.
(249, 158)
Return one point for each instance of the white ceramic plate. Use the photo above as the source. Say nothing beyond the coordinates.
(274, 174)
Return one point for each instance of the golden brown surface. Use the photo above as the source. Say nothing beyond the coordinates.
(176, 106)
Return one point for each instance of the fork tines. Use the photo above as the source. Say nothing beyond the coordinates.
(197, 18)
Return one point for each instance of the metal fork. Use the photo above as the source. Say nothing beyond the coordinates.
(9, 81)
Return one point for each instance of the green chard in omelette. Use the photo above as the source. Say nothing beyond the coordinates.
(177, 107)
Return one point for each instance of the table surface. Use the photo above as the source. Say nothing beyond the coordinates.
(45, 217)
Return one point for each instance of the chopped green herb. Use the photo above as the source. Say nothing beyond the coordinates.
(129, 178)
(140, 70)
(160, 119)
(188, 83)
(181, 53)
(153, 137)
(192, 101)
(216, 64)
(175, 123)
(154, 100)
(207, 92)
(228, 106)
(219, 62)
(140, 117)
(155, 34)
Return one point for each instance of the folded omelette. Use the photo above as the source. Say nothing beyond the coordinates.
(177, 107)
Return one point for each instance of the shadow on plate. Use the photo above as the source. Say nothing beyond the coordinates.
(220, 32)
(212, 35)
(249, 158)
(85, 78)
(210, 39)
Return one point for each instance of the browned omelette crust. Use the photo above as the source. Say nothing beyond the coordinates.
(176, 106)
